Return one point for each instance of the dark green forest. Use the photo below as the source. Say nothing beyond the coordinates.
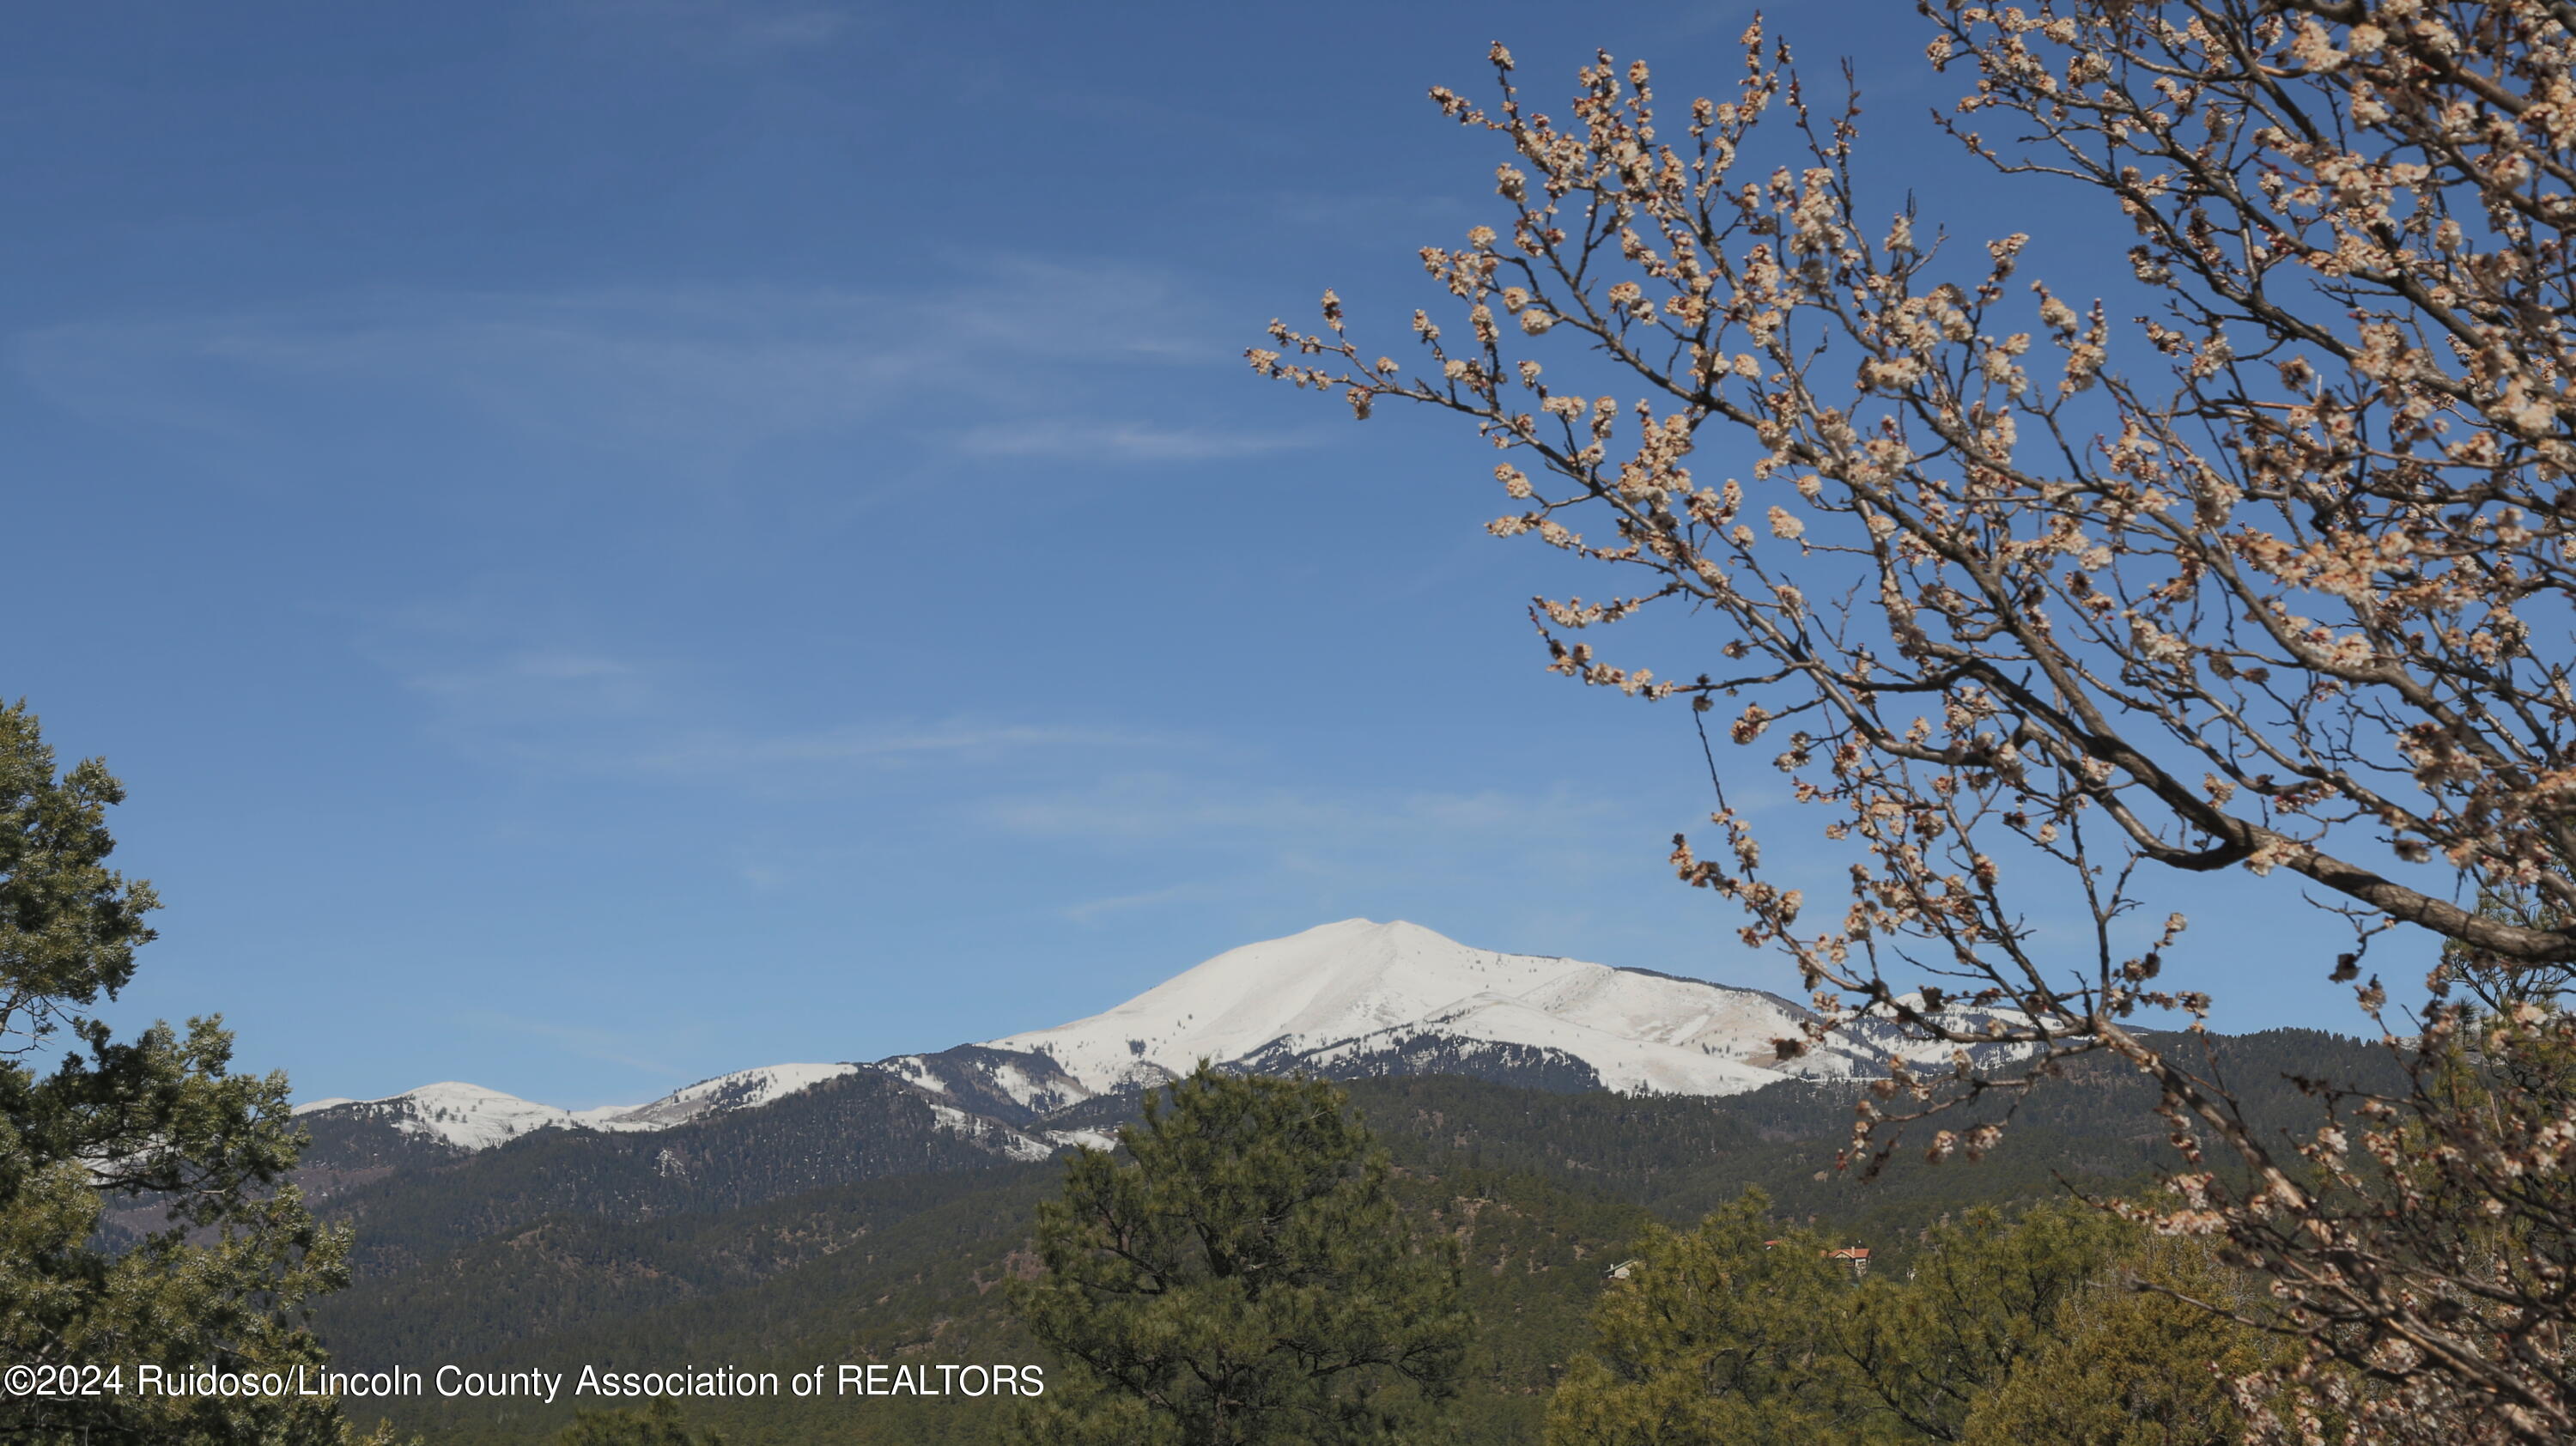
(838, 1227)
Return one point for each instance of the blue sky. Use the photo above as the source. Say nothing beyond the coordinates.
(616, 540)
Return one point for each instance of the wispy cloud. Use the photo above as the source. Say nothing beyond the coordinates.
(1093, 909)
(712, 754)
(1123, 442)
(731, 30)
(535, 685)
(1216, 843)
(507, 679)
(604, 1045)
(687, 376)
(614, 723)
(711, 374)
(1164, 806)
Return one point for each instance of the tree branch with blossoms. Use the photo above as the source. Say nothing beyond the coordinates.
(2033, 631)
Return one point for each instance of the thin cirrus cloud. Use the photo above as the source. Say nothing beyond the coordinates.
(586, 710)
(1164, 806)
(649, 742)
(964, 740)
(628, 371)
(1092, 910)
(800, 761)
(694, 375)
(735, 30)
(536, 685)
(1123, 441)
(1227, 843)
(605, 1046)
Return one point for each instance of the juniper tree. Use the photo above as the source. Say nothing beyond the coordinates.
(217, 1275)
(2134, 1359)
(1240, 1272)
(2059, 1324)
(1727, 1335)
(1981, 1298)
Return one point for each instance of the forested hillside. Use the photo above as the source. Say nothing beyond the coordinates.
(856, 1128)
(560, 1250)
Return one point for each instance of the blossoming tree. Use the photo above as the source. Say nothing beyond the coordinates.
(2043, 612)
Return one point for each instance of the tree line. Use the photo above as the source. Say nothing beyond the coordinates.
(1238, 1273)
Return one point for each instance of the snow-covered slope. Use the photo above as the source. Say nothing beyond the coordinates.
(1012, 1086)
(466, 1116)
(742, 1090)
(1339, 993)
(1345, 1000)
(471, 1117)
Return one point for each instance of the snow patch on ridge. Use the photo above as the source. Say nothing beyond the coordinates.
(912, 1071)
(466, 1116)
(998, 1138)
(744, 1089)
(1013, 1087)
(471, 1117)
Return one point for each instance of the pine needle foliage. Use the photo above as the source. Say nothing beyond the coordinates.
(1240, 1272)
(86, 1117)
(1725, 1334)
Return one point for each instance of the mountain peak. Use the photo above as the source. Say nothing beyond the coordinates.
(1353, 998)
(1319, 998)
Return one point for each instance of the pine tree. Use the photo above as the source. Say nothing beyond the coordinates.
(1243, 1276)
(218, 1281)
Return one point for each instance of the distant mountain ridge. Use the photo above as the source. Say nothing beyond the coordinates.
(1349, 1000)
(868, 1211)
(470, 1117)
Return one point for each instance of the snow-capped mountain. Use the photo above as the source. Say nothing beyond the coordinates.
(467, 1116)
(1360, 998)
(1348, 1000)
(471, 1117)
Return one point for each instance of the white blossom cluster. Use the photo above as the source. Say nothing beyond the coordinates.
(2289, 594)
